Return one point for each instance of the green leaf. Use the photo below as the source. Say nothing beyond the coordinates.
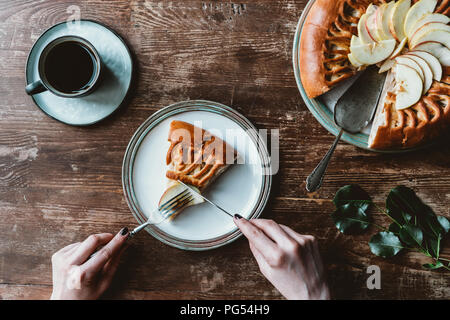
(402, 204)
(445, 224)
(354, 194)
(405, 207)
(433, 246)
(431, 226)
(394, 227)
(350, 219)
(385, 244)
(431, 266)
(411, 235)
(406, 217)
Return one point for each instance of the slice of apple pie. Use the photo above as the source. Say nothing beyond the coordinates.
(195, 157)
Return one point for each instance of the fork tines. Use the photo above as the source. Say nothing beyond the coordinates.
(175, 204)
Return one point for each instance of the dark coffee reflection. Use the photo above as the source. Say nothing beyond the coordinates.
(70, 67)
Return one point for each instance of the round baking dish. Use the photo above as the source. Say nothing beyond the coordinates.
(324, 114)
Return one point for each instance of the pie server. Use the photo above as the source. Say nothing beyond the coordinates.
(209, 201)
(356, 102)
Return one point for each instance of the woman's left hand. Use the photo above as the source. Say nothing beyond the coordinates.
(81, 273)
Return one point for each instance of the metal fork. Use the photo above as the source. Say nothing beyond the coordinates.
(165, 211)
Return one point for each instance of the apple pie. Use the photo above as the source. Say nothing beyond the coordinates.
(195, 157)
(408, 39)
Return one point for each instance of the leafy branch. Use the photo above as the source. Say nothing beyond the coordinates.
(414, 225)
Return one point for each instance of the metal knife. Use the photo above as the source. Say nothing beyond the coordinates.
(207, 200)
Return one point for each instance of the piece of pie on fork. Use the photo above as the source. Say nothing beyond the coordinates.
(195, 157)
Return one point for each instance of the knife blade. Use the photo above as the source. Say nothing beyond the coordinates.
(207, 200)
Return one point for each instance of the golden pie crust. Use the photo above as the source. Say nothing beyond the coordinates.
(426, 120)
(195, 156)
(323, 61)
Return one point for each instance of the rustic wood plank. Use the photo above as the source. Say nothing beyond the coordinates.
(58, 184)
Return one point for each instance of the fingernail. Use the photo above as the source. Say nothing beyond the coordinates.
(124, 231)
(238, 216)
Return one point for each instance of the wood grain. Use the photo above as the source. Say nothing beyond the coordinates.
(59, 184)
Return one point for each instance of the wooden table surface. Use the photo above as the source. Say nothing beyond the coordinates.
(59, 184)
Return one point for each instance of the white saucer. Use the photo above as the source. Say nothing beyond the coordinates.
(112, 90)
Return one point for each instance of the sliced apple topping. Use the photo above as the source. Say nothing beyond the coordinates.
(355, 41)
(389, 63)
(432, 61)
(385, 20)
(427, 72)
(408, 87)
(371, 9)
(436, 49)
(415, 67)
(399, 49)
(371, 26)
(396, 22)
(407, 61)
(379, 22)
(373, 53)
(172, 192)
(362, 30)
(418, 11)
(433, 31)
(354, 62)
(430, 18)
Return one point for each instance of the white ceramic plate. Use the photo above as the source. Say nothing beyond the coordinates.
(243, 188)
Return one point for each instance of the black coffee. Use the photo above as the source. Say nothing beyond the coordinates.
(70, 67)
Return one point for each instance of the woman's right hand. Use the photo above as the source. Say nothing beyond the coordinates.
(290, 261)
